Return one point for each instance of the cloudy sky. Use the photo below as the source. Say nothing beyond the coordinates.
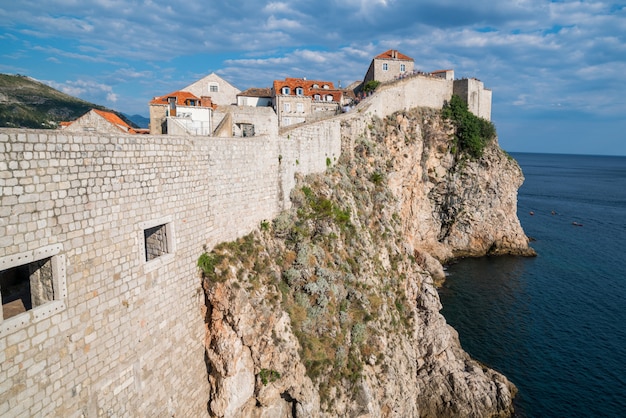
(557, 68)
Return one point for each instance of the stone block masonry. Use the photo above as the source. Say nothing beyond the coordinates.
(122, 333)
(120, 221)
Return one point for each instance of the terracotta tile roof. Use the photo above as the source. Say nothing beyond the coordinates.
(110, 117)
(116, 120)
(393, 54)
(309, 87)
(182, 98)
(257, 92)
(113, 118)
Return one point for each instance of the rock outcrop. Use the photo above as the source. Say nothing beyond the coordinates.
(331, 309)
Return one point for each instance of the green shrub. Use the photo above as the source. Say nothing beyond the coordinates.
(370, 86)
(207, 263)
(472, 133)
(268, 376)
(376, 178)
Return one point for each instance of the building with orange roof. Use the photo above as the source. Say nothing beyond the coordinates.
(99, 121)
(179, 113)
(298, 100)
(389, 66)
(221, 91)
(445, 74)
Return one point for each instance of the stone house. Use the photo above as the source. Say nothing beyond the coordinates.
(298, 100)
(100, 121)
(181, 113)
(257, 97)
(388, 66)
(219, 90)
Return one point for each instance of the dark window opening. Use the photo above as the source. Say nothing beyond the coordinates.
(155, 239)
(25, 287)
(247, 129)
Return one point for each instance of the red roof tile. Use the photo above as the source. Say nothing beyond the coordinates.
(182, 98)
(113, 118)
(309, 87)
(257, 92)
(393, 54)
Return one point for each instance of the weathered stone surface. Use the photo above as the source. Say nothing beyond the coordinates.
(412, 205)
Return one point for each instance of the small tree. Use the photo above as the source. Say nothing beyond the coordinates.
(370, 86)
(472, 133)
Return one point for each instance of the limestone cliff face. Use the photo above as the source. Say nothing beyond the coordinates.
(331, 309)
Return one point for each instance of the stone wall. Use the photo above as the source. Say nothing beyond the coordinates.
(413, 91)
(123, 335)
(477, 97)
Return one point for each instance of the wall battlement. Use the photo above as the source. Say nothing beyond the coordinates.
(121, 333)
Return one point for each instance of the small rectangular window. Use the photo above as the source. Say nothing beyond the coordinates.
(213, 88)
(155, 240)
(32, 281)
(287, 107)
(158, 242)
(300, 107)
(385, 67)
(25, 287)
(402, 67)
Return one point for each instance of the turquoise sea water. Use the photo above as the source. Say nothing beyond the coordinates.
(555, 325)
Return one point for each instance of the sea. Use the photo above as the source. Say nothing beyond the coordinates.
(555, 324)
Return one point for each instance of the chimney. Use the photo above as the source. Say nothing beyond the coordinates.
(394, 54)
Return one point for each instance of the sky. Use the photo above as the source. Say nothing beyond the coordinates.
(557, 69)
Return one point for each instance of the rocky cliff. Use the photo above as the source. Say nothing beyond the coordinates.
(331, 308)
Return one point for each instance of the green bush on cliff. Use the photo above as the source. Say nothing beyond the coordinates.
(371, 86)
(472, 133)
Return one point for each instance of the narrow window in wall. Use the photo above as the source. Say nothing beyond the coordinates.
(287, 107)
(385, 67)
(32, 281)
(300, 107)
(25, 287)
(155, 240)
(402, 67)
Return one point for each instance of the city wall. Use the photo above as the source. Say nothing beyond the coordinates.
(120, 221)
(123, 336)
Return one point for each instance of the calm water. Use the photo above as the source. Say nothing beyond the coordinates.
(554, 324)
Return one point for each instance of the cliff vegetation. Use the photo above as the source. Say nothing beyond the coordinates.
(331, 308)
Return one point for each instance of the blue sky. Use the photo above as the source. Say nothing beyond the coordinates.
(557, 68)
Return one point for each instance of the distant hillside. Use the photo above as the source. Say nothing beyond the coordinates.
(140, 121)
(27, 103)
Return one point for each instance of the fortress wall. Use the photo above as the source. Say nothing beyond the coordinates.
(410, 92)
(478, 98)
(485, 103)
(124, 336)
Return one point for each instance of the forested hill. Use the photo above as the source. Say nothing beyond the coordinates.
(28, 103)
